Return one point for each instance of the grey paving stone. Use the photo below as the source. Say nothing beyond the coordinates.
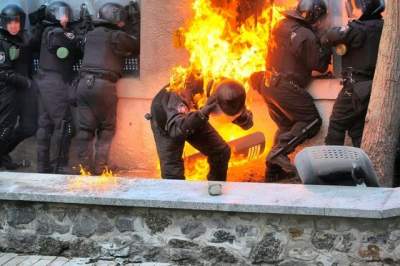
(17, 260)
(31, 260)
(7, 257)
(45, 261)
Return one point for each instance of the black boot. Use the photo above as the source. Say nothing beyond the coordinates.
(281, 159)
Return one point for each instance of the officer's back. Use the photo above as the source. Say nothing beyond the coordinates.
(363, 44)
(295, 50)
(106, 49)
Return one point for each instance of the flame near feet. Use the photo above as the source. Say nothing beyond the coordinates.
(86, 182)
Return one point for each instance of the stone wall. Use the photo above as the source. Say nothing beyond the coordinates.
(196, 237)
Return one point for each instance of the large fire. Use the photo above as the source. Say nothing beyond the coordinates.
(227, 39)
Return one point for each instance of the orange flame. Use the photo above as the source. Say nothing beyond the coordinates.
(222, 47)
(86, 182)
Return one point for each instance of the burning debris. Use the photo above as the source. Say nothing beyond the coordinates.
(227, 39)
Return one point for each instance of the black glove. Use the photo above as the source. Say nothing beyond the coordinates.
(210, 106)
(245, 120)
(333, 36)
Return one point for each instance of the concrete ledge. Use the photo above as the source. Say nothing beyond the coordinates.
(237, 197)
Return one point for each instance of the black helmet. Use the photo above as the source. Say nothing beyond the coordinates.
(231, 96)
(12, 13)
(312, 10)
(113, 12)
(372, 9)
(56, 10)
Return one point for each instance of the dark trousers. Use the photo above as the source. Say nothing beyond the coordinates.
(8, 115)
(292, 109)
(27, 110)
(54, 107)
(207, 141)
(97, 107)
(348, 115)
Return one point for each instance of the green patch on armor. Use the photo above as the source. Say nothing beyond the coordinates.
(62, 52)
(13, 53)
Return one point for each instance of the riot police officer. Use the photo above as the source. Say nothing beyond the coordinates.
(288, 72)
(106, 49)
(358, 42)
(59, 52)
(17, 96)
(13, 21)
(175, 119)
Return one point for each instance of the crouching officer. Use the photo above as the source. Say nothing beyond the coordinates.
(288, 72)
(358, 43)
(12, 81)
(105, 51)
(176, 118)
(60, 50)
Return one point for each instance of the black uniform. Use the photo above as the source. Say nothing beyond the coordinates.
(59, 52)
(289, 67)
(105, 51)
(172, 124)
(362, 41)
(26, 97)
(10, 82)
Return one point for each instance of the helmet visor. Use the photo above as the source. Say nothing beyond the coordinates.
(119, 15)
(8, 19)
(62, 12)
